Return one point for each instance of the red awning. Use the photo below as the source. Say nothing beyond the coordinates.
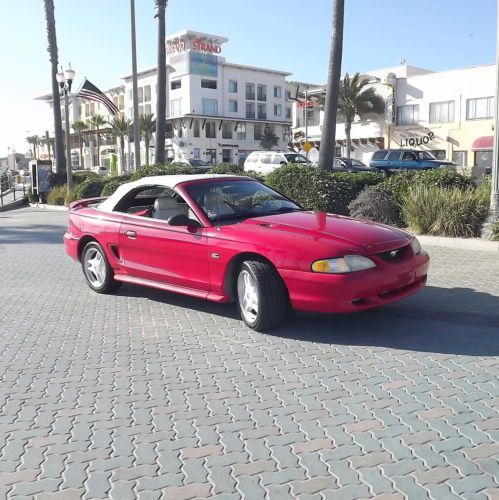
(485, 142)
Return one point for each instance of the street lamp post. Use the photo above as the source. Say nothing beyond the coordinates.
(494, 196)
(65, 80)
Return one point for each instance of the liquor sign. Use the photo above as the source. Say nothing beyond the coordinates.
(417, 141)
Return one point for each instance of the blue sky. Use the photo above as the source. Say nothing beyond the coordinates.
(291, 35)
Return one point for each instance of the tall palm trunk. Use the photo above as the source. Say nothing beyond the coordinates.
(98, 145)
(54, 61)
(122, 153)
(328, 138)
(161, 80)
(348, 129)
(80, 148)
(146, 142)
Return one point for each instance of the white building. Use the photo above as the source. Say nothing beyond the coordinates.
(449, 113)
(216, 111)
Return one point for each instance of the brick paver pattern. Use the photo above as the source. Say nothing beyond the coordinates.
(144, 394)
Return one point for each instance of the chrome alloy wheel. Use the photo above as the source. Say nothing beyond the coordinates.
(247, 294)
(95, 267)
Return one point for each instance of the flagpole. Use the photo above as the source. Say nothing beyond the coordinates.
(136, 135)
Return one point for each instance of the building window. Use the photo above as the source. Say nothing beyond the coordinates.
(227, 131)
(175, 107)
(250, 110)
(250, 91)
(480, 108)
(442, 112)
(261, 92)
(277, 110)
(407, 115)
(258, 132)
(460, 158)
(121, 104)
(140, 92)
(147, 108)
(288, 113)
(211, 132)
(241, 132)
(439, 154)
(176, 84)
(197, 153)
(208, 84)
(195, 130)
(287, 95)
(147, 93)
(210, 107)
(277, 92)
(180, 131)
(232, 86)
(232, 106)
(262, 111)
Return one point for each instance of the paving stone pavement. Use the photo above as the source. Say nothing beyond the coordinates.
(144, 394)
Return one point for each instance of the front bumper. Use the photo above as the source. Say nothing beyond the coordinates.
(344, 293)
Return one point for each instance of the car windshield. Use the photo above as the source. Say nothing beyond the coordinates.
(232, 201)
(296, 158)
(198, 163)
(424, 155)
(354, 163)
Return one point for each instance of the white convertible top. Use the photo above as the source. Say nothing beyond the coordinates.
(169, 181)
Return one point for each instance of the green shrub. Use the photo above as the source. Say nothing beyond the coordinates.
(91, 188)
(227, 168)
(32, 198)
(82, 175)
(113, 184)
(454, 212)
(58, 195)
(376, 205)
(494, 231)
(317, 189)
(169, 169)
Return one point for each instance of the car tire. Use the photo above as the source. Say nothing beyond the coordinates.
(96, 269)
(261, 296)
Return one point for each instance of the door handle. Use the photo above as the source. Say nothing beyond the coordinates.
(131, 234)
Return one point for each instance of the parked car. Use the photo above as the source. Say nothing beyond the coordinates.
(265, 162)
(231, 238)
(98, 169)
(201, 165)
(344, 164)
(397, 159)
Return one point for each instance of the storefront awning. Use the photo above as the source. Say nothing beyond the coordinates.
(485, 142)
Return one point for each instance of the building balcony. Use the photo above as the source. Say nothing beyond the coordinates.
(250, 114)
(262, 116)
(250, 97)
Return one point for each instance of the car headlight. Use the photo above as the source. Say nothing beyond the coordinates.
(416, 246)
(342, 265)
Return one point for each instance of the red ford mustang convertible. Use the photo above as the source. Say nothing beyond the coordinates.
(226, 238)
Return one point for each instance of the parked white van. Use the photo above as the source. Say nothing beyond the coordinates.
(265, 162)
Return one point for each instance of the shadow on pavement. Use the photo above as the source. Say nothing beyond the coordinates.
(32, 233)
(457, 321)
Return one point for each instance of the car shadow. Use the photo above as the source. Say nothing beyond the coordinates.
(458, 321)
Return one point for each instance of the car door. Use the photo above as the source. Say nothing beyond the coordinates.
(151, 249)
(409, 160)
(393, 160)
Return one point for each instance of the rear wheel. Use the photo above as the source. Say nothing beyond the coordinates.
(261, 296)
(97, 270)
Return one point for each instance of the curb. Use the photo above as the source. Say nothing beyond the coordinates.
(45, 206)
(460, 243)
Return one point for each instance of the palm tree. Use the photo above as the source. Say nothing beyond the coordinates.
(46, 142)
(80, 126)
(161, 83)
(56, 102)
(269, 139)
(328, 137)
(147, 126)
(33, 141)
(120, 126)
(96, 122)
(357, 99)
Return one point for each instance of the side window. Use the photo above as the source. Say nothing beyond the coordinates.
(394, 156)
(277, 159)
(267, 158)
(142, 199)
(409, 156)
(379, 155)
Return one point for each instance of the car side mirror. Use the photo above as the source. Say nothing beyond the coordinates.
(182, 220)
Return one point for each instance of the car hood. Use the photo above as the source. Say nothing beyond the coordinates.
(368, 236)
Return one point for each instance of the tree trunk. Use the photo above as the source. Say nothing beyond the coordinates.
(47, 140)
(348, 129)
(161, 80)
(98, 146)
(328, 138)
(60, 160)
(122, 154)
(81, 150)
(146, 142)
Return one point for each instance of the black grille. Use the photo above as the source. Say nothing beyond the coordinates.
(393, 255)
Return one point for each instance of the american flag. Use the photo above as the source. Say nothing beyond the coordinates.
(89, 91)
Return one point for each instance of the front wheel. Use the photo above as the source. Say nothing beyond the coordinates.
(97, 270)
(261, 296)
